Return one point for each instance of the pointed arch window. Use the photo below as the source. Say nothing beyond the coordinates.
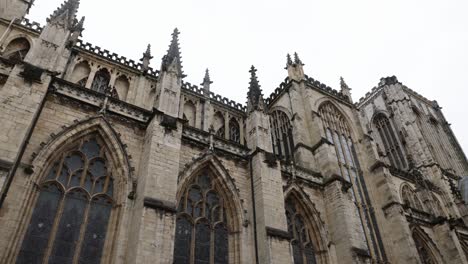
(101, 81)
(218, 124)
(71, 215)
(393, 149)
(17, 50)
(234, 130)
(411, 198)
(424, 252)
(338, 132)
(301, 242)
(283, 143)
(201, 227)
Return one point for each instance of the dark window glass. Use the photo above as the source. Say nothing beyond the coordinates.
(68, 230)
(101, 81)
(183, 239)
(221, 250)
(234, 131)
(95, 233)
(202, 243)
(42, 221)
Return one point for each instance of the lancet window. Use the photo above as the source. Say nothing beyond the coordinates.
(281, 128)
(201, 227)
(101, 81)
(234, 130)
(301, 242)
(390, 142)
(70, 219)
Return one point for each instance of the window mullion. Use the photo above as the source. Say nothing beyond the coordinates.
(83, 228)
(53, 232)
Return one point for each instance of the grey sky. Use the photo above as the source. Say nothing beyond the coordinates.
(423, 43)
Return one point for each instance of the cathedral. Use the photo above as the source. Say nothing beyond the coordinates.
(104, 159)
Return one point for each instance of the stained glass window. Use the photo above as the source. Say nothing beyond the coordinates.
(61, 217)
(201, 228)
(301, 243)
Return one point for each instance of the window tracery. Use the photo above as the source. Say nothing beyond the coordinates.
(283, 143)
(218, 124)
(301, 242)
(201, 227)
(75, 198)
(392, 147)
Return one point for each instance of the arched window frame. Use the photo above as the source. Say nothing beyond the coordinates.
(282, 135)
(390, 141)
(192, 216)
(220, 129)
(17, 55)
(54, 176)
(411, 198)
(234, 130)
(101, 81)
(425, 247)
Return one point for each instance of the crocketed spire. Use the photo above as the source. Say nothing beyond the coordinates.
(65, 15)
(206, 82)
(173, 54)
(254, 95)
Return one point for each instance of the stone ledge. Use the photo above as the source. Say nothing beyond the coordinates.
(274, 232)
(159, 205)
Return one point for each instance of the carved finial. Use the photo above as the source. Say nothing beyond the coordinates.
(146, 58)
(206, 83)
(297, 60)
(254, 95)
(76, 32)
(65, 15)
(173, 54)
(345, 90)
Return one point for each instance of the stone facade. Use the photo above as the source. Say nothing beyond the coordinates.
(303, 176)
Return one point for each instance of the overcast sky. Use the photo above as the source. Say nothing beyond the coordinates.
(423, 43)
